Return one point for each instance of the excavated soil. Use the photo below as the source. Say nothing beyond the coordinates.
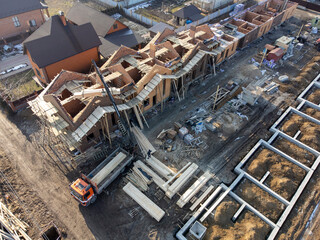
(308, 73)
(284, 177)
(300, 154)
(314, 97)
(225, 211)
(312, 112)
(260, 200)
(295, 226)
(310, 132)
(247, 227)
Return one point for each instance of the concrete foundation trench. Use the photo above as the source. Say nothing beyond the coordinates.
(271, 177)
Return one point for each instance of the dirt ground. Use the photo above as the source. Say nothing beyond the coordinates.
(259, 199)
(294, 151)
(310, 131)
(247, 227)
(39, 183)
(31, 209)
(161, 10)
(36, 176)
(312, 112)
(284, 178)
(64, 5)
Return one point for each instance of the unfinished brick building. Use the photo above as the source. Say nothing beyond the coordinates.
(79, 110)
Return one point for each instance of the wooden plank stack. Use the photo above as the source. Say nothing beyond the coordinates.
(103, 173)
(159, 167)
(183, 179)
(194, 189)
(153, 209)
(142, 141)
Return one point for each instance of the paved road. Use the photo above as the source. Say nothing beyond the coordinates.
(12, 62)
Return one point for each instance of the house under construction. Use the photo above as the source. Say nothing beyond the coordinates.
(78, 109)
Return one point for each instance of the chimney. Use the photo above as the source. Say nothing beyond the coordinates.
(192, 31)
(152, 52)
(63, 18)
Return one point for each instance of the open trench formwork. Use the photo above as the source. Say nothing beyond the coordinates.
(271, 177)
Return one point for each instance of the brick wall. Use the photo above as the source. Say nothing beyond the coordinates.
(119, 26)
(39, 72)
(8, 29)
(77, 63)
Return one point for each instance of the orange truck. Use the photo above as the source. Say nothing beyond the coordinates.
(87, 188)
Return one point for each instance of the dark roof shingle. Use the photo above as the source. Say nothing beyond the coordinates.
(196, 17)
(187, 12)
(13, 7)
(113, 41)
(81, 14)
(53, 41)
(160, 27)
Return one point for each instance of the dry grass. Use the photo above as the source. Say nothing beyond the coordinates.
(64, 5)
(59, 5)
(19, 85)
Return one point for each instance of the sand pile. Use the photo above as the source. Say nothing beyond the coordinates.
(293, 124)
(314, 97)
(284, 176)
(230, 122)
(260, 199)
(308, 73)
(313, 113)
(294, 151)
(285, 187)
(311, 135)
(310, 132)
(224, 213)
(247, 227)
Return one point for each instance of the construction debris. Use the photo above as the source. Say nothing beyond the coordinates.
(11, 227)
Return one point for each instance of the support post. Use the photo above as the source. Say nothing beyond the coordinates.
(127, 118)
(138, 116)
(175, 85)
(143, 117)
(161, 96)
(108, 131)
(215, 99)
(182, 83)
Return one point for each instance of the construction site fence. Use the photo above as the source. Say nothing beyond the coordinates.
(122, 4)
(308, 5)
(139, 17)
(208, 18)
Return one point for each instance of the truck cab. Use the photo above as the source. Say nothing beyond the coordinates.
(82, 192)
(86, 188)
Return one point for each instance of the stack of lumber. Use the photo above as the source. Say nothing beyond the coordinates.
(154, 211)
(183, 179)
(142, 141)
(156, 179)
(159, 167)
(145, 176)
(14, 228)
(136, 180)
(194, 189)
(200, 199)
(106, 170)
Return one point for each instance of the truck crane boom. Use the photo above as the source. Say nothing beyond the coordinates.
(121, 124)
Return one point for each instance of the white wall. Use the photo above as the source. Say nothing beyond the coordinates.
(209, 5)
(122, 3)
